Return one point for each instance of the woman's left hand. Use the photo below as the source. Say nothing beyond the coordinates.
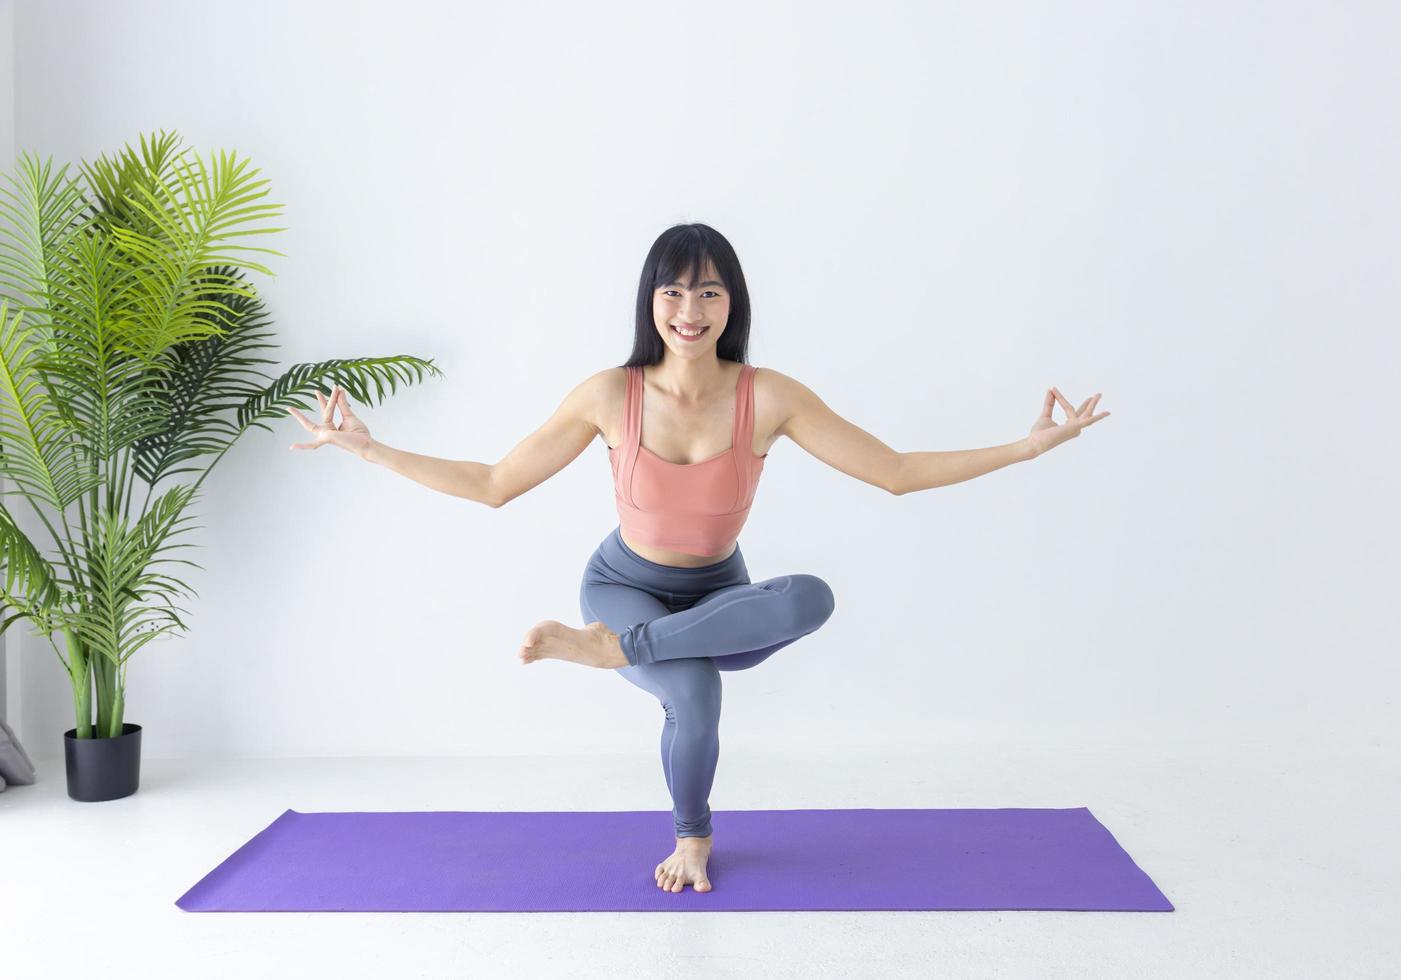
(1046, 434)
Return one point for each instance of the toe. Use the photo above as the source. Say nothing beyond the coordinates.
(702, 885)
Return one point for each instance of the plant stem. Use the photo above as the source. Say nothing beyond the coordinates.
(82, 692)
(118, 709)
(102, 681)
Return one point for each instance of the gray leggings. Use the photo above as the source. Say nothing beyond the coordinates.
(679, 627)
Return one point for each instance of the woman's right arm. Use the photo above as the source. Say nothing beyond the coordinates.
(461, 478)
(557, 443)
(538, 457)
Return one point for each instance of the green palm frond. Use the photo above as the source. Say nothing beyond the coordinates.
(353, 374)
(113, 183)
(121, 619)
(204, 379)
(36, 448)
(105, 391)
(189, 239)
(201, 383)
(44, 212)
(46, 219)
(31, 584)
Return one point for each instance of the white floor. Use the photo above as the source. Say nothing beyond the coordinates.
(1280, 858)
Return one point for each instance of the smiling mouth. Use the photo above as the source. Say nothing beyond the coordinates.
(690, 336)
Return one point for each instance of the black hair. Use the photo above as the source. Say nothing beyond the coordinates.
(678, 250)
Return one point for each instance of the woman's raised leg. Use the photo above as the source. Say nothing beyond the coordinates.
(748, 622)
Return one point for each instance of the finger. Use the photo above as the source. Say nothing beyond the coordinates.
(345, 405)
(305, 445)
(336, 404)
(1048, 404)
(1070, 413)
(310, 426)
(328, 407)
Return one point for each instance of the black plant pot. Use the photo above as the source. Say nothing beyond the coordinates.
(103, 768)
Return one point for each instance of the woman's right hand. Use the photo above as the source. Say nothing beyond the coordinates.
(351, 435)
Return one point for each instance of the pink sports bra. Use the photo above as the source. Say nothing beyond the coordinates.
(696, 508)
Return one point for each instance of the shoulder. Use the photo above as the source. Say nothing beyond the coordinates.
(778, 385)
(598, 397)
(782, 395)
(612, 377)
(601, 384)
(593, 394)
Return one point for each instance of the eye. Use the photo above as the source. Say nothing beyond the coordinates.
(708, 291)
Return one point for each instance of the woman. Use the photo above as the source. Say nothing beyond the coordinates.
(666, 596)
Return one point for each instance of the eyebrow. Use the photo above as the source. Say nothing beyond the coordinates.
(708, 282)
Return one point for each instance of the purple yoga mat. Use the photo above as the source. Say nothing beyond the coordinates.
(543, 861)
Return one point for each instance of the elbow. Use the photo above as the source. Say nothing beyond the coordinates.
(487, 492)
(895, 485)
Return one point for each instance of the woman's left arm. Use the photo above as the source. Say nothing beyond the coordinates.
(822, 432)
(922, 471)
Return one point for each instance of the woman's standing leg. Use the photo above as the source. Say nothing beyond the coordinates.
(679, 613)
(689, 693)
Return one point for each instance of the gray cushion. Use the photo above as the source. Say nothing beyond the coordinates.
(15, 766)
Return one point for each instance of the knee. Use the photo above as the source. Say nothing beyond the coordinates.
(696, 704)
(817, 603)
(694, 715)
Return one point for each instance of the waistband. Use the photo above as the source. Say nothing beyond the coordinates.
(615, 551)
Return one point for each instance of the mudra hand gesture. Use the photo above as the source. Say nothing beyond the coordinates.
(1046, 434)
(351, 435)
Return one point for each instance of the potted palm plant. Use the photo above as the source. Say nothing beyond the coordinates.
(127, 336)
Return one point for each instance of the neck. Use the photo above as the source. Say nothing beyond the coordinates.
(691, 379)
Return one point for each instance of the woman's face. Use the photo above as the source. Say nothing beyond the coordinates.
(706, 308)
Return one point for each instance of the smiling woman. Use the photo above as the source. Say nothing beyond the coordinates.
(666, 597)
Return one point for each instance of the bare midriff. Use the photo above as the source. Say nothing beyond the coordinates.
(680, 559)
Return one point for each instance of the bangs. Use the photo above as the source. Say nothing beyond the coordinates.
(685, 254)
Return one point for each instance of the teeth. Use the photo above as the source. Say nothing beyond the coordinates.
(688, 333)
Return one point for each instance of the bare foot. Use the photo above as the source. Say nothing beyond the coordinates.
(686, 866)
(593, 646)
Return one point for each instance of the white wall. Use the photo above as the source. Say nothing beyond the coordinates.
(942, 210)
(7, 152)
